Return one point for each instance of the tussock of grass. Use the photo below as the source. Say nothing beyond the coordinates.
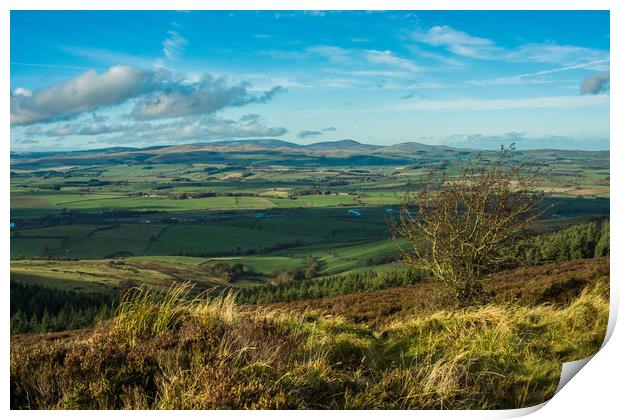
(184, 352)
(144, 311)
(221, 308)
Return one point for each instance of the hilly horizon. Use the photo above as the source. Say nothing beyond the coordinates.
(269, 143)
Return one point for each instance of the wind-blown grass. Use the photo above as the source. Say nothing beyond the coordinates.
(144, 311)
(184, 352)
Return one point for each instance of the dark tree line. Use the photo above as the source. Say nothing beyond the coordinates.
(330, 286)
(36, 308)
(585, 240)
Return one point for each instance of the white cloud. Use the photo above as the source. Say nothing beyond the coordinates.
(457, 42)
(388, 58)
(86, 92)
(22, 92)
(205, 97)
(159, 94)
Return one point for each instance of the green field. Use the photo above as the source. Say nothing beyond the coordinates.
(180, 212)
(196, 239)
(84, 241)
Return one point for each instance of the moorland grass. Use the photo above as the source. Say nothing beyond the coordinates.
(185, 352)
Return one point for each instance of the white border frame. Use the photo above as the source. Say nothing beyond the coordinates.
(592, 394)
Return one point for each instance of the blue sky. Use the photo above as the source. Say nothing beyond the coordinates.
(97, 79)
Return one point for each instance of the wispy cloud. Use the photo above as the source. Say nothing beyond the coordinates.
(445, 61)
(169, 132)
(342, 83)
(335, 54)
(109, 57)
(535, 77)
(366, 60)
(173, 45)
(90, 129)
(388, 58)
(551, 53)
(458, 42)
(201, 129)
(473, 104)
(396, 74)
(466, 45)
(51, 66)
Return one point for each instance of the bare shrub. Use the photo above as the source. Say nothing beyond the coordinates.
(457, 225)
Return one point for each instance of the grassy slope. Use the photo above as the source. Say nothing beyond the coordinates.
(90, 243)
(181, 353)
(554, 283)
(107, 275)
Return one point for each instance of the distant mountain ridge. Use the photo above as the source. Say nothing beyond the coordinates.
(346, 152)
(327, 146)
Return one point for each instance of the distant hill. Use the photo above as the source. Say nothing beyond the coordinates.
(342, 145)
(336, 153)
(414, 147)
(268, 143)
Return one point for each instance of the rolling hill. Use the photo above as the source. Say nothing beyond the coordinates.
(278, 152)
